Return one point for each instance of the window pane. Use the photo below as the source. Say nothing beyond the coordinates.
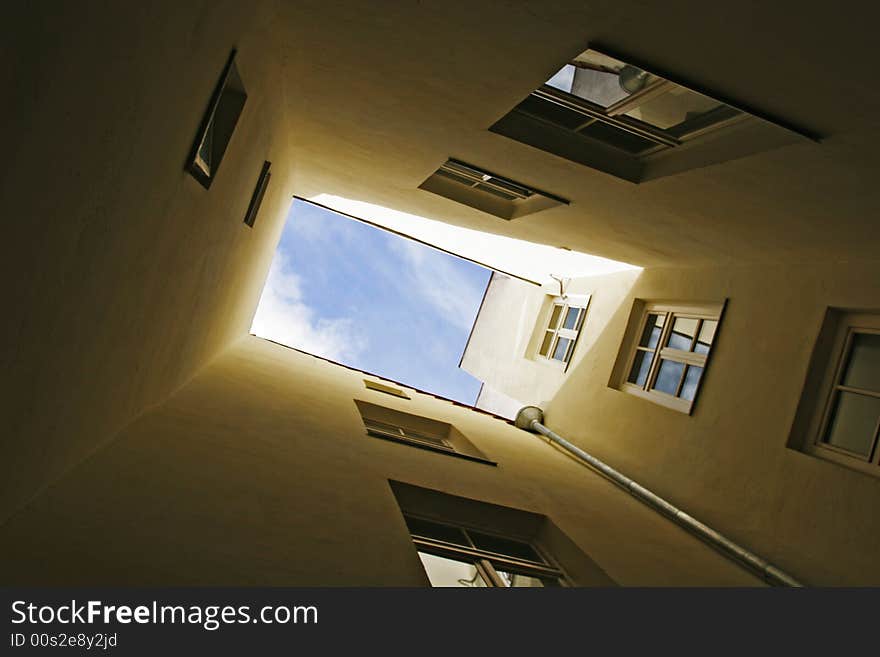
(563, 78)
(863, 368)
(683, 331)
(561, 349)
(548, 340)
(707, 334)
(673, 107)
(691, 381)
(600, 79)
(641, 367)
(854, 423)
(448, 572)
(435, 530)
(600, 87)
(668, 376)
(505, 546)
(653, 329)
(571, 318)
(554, 317)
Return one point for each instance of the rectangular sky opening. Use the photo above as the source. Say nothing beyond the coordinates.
(372, 300)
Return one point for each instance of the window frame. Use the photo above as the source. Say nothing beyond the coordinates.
(615, 116)
(661, 352)
(424, 433)
(231, 94)
(489, 192)
(848, 325)
(256, 202)
(487, 562)
(398, 433)
(558, 331)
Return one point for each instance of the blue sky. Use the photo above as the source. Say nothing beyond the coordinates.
(372, 300)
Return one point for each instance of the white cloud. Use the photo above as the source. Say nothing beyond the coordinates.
(282, 316)
(439, 283)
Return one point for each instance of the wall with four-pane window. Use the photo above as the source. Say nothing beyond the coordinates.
(749, 396)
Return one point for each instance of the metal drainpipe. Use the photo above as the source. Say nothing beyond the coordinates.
(530, 418)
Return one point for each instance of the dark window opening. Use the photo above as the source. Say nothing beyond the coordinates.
(217, 125)
(257, 198)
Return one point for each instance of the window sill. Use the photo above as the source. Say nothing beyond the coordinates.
(659, 398)
(556, 365)
(838, 457)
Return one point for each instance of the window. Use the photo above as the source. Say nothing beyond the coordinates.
(416, 431)
(846, 411)
(467, 542)
(388, 390)
(605, 113)
(462, 557)
(217, 125)
(402, 434)
(560, 337)
(667, 358)
(257, 197)
(489, 192)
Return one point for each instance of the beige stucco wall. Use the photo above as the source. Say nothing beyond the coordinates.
(497, 350)
(503, 345)
(385, 97)
(728, 463)
(259, 472)
(122, 275)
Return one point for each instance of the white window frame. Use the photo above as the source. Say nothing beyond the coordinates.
(558, 331)
(849, 325)
(671, 311)
(615, 115)
(405, 435)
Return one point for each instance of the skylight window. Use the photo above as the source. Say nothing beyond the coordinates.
(625, 90)
(487, 191)
(612, 115)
